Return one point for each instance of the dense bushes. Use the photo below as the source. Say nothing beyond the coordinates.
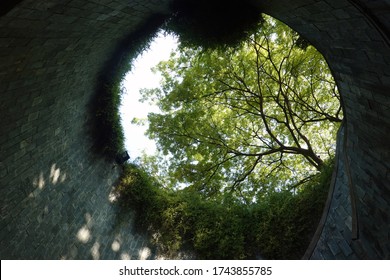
(278, 227)
(213, 23)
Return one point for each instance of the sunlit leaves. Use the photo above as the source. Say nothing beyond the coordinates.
(245, 120)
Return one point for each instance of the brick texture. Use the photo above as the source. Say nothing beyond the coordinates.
(55, 192)
(353, 37)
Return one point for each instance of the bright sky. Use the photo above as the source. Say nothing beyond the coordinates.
(142, 77)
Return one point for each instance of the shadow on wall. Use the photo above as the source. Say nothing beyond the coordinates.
(7, 5)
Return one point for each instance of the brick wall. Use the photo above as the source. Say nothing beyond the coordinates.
(353, 37)
(55, 192)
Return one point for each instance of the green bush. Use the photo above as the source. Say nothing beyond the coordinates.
(278, 227)
(213, 23)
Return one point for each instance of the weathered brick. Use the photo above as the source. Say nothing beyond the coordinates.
(345, 248)
(52, 53)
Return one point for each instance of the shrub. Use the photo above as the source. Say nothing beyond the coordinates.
(278, 227)
(213, 23)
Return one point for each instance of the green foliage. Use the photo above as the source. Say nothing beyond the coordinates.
(291, 220)
(108, 132)
(110, 137)
(244, 120)
(213, 23)
(275, 224)
(280, 226)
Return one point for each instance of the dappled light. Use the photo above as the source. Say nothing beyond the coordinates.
(115, 246)
(144, 253)
(84, 233)
(125, 256)
(94, 234)
(39, 182)
(54, 177)
(95, 251)
(112, 196)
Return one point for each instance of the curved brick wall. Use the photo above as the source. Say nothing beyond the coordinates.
(55, 192)
(354, 38)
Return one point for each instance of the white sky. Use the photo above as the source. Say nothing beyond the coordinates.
(141, 76)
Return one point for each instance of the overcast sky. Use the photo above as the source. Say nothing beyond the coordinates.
(142, 77)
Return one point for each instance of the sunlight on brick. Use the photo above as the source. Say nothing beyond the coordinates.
(95, 251)
(115, 246)
(144, 253)
(112, 197)
(54, 174)
(83, 235)
(125, 256)
(40, 181)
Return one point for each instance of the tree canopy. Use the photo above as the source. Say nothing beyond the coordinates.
(245, 120)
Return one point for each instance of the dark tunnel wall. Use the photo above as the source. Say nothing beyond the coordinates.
(55, 192)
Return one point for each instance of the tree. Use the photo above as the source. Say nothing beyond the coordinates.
(244, 120)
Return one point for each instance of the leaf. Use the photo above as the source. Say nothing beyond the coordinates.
(245, 120)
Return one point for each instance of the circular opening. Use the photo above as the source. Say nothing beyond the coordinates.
(247, 131)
